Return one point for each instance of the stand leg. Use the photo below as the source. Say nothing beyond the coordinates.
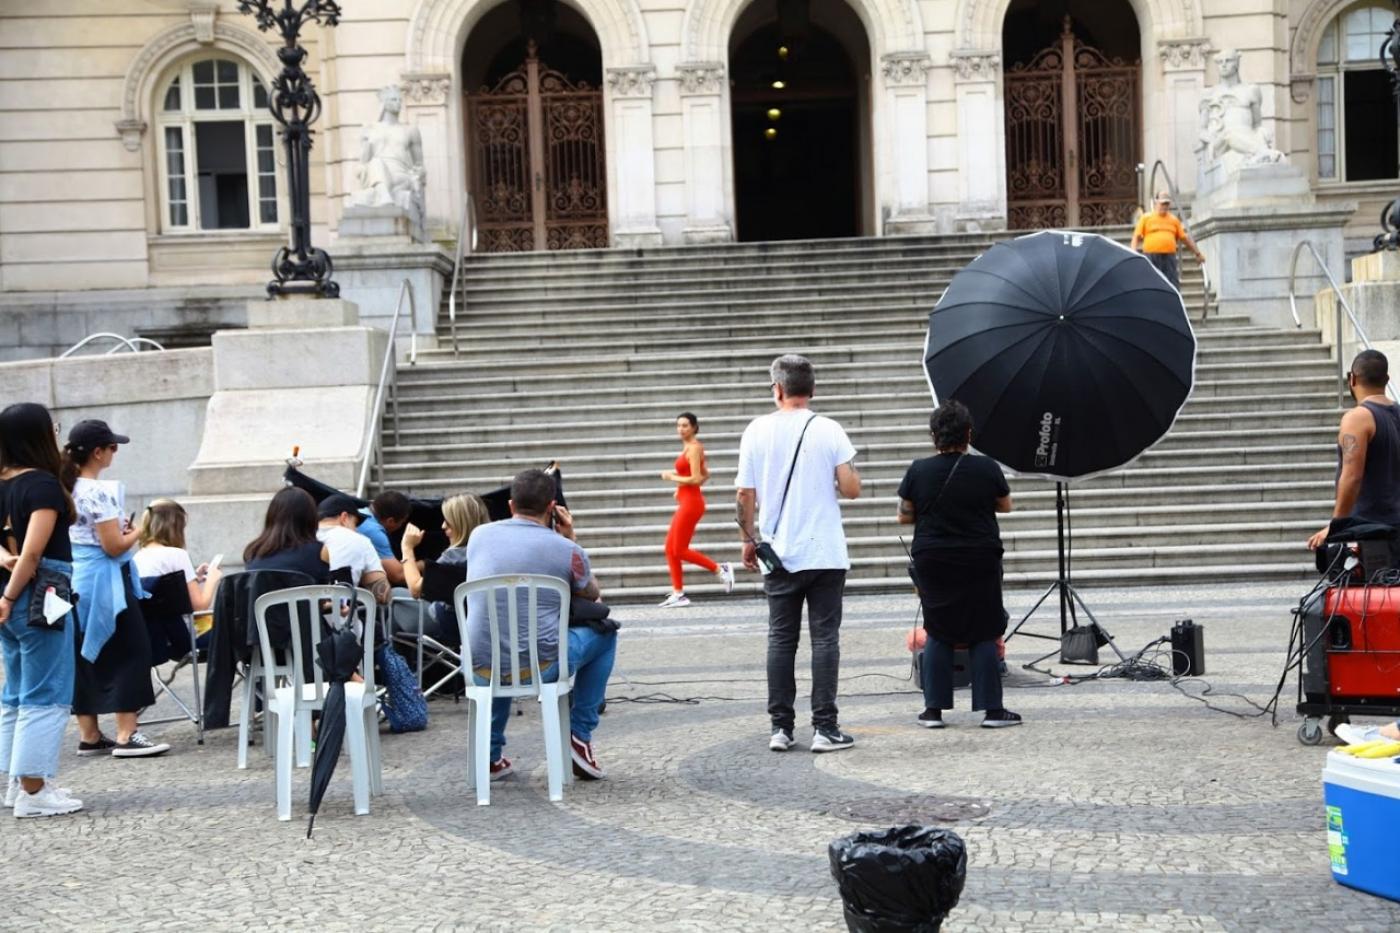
(1025, 618)
(1074, 594)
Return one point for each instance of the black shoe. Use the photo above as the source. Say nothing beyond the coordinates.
(1000, 719)
(138, 746)
(931, 719)
(830, 740)
(103, 746)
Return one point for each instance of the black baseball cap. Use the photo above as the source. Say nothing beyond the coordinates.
(337, 503)
(92, 434)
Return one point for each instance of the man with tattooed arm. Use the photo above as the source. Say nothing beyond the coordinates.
(1368, 449)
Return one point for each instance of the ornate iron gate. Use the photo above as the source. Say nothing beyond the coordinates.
(1073, 138)
(537, 170)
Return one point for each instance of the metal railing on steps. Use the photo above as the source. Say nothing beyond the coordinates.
(466, 244)
(1341, 303)
(372, 454)
(132, 344)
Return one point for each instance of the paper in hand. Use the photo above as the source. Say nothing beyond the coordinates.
(55, 607)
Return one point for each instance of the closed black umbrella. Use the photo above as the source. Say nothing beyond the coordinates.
(339, 653)
(1073, 353)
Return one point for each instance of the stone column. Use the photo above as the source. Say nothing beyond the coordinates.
(981, 140)
(631, 157)
(425, 102)
(707, 179)
(1183, 80)
(906, 106)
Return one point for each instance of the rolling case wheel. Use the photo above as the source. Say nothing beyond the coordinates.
(1310, 732)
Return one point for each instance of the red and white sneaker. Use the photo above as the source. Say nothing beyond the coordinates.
(501, 769)
(585, 765)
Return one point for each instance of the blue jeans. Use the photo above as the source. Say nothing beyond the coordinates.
(591, 657)
(38, 693)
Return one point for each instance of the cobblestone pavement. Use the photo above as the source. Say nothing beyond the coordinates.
(1117, 806)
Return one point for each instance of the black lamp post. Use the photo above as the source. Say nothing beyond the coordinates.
(299, 268)
(1389, 238)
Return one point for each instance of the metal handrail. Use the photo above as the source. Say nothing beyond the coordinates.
(1341, 300)
(130, 343)
(373, 452)
(466, 244)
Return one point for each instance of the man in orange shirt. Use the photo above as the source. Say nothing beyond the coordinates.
(1158, 233)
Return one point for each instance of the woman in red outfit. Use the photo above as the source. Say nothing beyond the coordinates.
(689, 475)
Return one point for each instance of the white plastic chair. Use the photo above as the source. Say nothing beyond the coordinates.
(524, 679)
(289, 707)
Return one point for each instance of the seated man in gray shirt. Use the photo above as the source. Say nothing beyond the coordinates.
(524, 543)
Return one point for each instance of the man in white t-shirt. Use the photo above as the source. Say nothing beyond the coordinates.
(792, 464)
(348, 549)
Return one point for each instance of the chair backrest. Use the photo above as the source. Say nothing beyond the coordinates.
(165, 609)
(305, 602)
(508, 590)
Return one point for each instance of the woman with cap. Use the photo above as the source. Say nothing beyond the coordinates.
(34, 555)
(114, 649)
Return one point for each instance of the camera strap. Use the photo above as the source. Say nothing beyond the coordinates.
(778, 516)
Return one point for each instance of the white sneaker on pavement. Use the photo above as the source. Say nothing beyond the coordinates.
(14, 789)
(675, 601)
(781, 741)
(726, 576)
(1352, 734)
(50, 801)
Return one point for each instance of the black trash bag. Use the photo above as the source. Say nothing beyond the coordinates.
(900, 880)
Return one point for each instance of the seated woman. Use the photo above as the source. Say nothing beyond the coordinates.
(162, 541)
(460, 517)
(952, 500)
(288, 539)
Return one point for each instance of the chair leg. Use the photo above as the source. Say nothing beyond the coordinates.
(356, 739)
(376, 760)
(566, 753)
(283, 764)
(481, 738)
(245, 720)
(471, 744)
(303, 738)
(554, 757)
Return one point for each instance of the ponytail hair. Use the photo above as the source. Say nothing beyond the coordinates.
(74, 459)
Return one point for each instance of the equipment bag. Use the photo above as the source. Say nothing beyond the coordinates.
(404, 705)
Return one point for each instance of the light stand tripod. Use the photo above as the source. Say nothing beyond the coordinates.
(1069, 597)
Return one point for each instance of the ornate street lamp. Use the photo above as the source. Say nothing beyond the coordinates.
(1390, 59)
(299, 268)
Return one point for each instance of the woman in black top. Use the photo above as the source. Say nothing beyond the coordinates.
(951, 500)
(38, 653)
(288, 540)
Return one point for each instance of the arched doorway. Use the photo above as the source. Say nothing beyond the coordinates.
(801, 121)
(534, 129)
(1073, 77)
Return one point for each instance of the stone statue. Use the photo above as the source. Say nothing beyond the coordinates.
(1231, 131)
(391, 164)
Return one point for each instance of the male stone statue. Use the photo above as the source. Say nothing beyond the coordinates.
(391, 163)
(1231, 131)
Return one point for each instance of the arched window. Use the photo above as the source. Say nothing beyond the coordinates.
(216, 150)
(1358, 136)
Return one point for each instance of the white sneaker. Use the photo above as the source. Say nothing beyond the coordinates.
(675, 601)
(781, 741)
(1351, 734)
(833, 740)
(13, 790)
(726, 576)
(50, 801)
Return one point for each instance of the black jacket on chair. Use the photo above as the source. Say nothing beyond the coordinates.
(165, 608)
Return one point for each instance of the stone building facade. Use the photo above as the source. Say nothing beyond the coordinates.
(135, 152)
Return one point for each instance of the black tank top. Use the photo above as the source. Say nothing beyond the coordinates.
(1379, 500)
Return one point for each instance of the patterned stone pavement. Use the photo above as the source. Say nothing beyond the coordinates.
(1118, 806)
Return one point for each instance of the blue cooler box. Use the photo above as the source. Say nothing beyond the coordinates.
(1363, 813)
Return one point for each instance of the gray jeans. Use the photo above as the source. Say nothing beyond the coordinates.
(822, 591)
(1166, 263)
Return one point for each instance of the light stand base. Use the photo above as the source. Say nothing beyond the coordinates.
(1069, 598)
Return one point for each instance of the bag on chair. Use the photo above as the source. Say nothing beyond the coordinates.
(404, 705)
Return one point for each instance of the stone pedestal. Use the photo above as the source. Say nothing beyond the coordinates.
(374, 254)
(1249, 224)
(389, 222)
(1374, 297)
(302, 375)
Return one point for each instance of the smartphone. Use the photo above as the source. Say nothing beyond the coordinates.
(214, 564)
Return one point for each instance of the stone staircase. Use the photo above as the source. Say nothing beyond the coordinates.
(587, 357)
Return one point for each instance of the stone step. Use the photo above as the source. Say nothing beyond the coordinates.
(1288, 556)
(716, 530)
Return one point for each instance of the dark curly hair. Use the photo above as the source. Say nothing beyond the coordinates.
(950, 425)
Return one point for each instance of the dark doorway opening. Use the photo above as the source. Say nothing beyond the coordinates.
(798, 129)
(1371, 141)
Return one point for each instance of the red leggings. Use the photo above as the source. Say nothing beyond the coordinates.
(688, 513)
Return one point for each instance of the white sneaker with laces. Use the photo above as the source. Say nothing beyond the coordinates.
(726, 576)
(50, 801)
(830, 741)
(675, 601)
(14, 789)
(781, 741)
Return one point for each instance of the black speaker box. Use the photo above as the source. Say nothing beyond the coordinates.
(1188, 649)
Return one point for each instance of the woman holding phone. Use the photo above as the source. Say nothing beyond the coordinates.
(114, 649)
(162, 540)
(689, 475)
(38, 652)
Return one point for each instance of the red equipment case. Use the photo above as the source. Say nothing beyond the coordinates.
(1351, 661)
